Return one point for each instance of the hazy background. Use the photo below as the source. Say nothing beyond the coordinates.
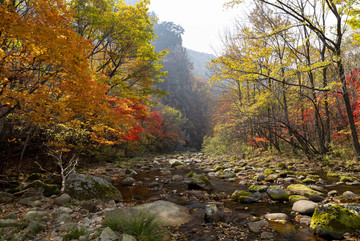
(204, 21)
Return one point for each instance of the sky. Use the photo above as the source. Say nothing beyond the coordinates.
(204, 21)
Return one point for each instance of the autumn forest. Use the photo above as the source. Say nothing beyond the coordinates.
(106, 79)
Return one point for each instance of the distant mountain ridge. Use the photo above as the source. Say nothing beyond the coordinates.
(199, 61)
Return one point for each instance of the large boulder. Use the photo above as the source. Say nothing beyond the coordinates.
(332, 220)
(49, 189)
(200, 182)
(168, 213)
(6, 197)
(303, 190)
(84, 187)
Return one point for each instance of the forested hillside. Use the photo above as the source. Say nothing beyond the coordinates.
(200, 61)
(188, 93)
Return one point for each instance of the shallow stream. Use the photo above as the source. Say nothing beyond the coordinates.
(153, 184)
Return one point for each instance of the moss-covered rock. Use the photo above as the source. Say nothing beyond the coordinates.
(276, 193)
(295, 198)
(242, 197)
(334, 220)
(271, 178)
(200, 182)
(285, 173)
(257, 188)
(308, 181)
(49, 189)
(332, 175)
(269, 171)
(83, 187)
(347, 179)
(301, 189)
(282, 166)
(218, 168)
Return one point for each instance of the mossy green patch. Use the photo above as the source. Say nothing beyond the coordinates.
(191, 174)
(312, 176)
(218, 168)
(282, 166)
(240, 196)
(295, 198)
(302, 190)
(334, 221)
(257, 188)
(331, 174)
(177, 163)
(347, 179)
(49, 189)
(269, 171)
(308, 180)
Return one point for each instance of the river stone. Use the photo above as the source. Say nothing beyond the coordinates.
(6, 197)
(62, 219)
(277, 216)
(355, 207)
(168, 213)
(332, 220)
(177, 178)
(256, 227)
(332, 193)
(211, 213)
(34, 227)
(228, 175)
(244, 197)
(267, 236)
(200, 182)
(288, 180)
(350, 194)
(304, 207)
(9, 223)
(276, 193)
(257, 188)
(11, 215)
(271, 178)
(63, 199)
(37, 216)
(175, 162)
(294, 198)
(84, 187)
(49, 189)
(128, 181)
(108, 235)
(62, 210)
(260, 177)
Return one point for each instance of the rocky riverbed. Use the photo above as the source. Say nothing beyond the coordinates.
(197, 196)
